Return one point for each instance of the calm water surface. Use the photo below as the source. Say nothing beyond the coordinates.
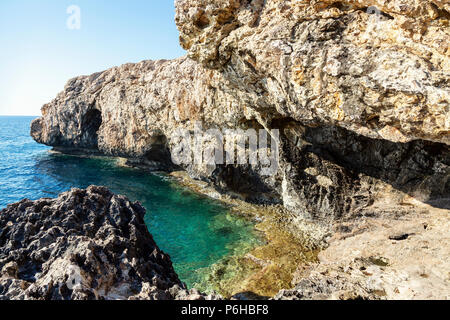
(197, 232)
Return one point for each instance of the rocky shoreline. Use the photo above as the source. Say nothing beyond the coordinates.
(362, 105)
(361, 98)
(92, 244)
(393, 258)
(84, 245)
(400, 255)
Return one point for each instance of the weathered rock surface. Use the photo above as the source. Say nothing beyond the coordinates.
(361, 99)
(86, 244)
(382, 258)
(377, 68)
(360, 91)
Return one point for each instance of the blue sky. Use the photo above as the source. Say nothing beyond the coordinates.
(39, 53)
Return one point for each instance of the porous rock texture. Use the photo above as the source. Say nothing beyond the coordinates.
(377, 68)
(381, 258)
(359, 89)
(84, 245)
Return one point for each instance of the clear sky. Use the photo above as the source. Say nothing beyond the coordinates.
(39, 52)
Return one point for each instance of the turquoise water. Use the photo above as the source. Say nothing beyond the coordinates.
(194, 230)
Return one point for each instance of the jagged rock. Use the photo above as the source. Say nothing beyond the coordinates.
(359, 90)
(360, 95)
(86, 244)
(324, 288)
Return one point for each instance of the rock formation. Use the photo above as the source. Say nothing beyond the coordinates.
(393, 258)
(86, 244)
(377, 68)
(359, 90)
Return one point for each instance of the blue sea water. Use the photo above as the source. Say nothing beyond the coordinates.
(194, 230)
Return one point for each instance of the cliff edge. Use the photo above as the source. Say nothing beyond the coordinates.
(358, 89)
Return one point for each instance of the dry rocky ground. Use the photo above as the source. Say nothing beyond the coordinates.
(382, 258)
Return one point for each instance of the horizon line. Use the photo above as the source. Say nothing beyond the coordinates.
(19, 115)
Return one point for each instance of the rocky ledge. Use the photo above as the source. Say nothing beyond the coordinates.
(394, 258)
(86, 244)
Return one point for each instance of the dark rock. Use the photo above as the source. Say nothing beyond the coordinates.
(86, 244)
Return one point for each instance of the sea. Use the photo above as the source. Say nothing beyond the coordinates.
(196, 231)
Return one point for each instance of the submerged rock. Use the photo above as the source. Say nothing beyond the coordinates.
(86, 244)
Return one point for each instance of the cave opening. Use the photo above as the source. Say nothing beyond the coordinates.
(90, 126)
(158, 155)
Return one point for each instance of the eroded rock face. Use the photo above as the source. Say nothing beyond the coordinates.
(378, 68)
(86, 244)
(360, 95)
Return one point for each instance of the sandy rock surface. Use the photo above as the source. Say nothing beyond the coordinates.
(359, 90)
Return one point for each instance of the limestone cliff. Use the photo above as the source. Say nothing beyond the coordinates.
(360, 91)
